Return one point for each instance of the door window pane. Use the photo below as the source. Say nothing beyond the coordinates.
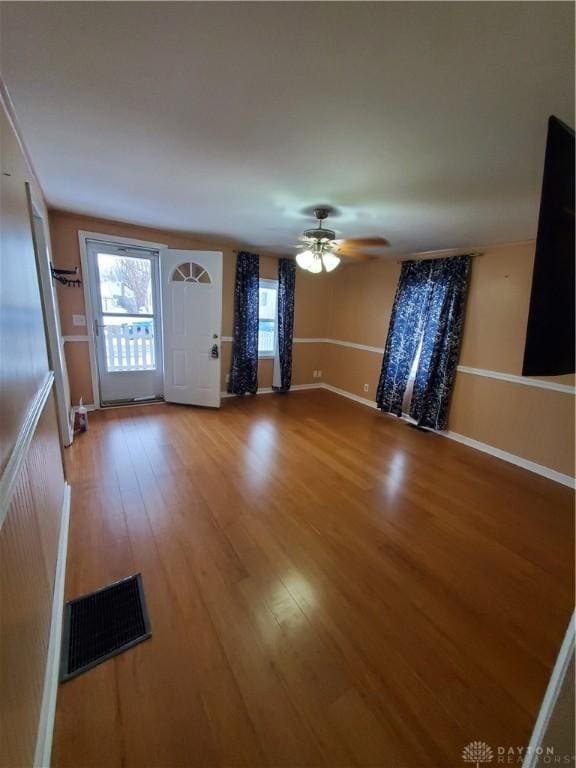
(125, 284)
(129, 344)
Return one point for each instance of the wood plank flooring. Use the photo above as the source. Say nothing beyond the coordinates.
(326, 586)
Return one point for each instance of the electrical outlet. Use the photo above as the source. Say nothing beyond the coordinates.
(79, 320)
(227, 378)
(365, 387)
(314, 374)
(319, 374)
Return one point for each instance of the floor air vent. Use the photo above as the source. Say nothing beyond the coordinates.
(100, 625)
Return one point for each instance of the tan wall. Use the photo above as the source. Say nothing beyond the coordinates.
(354, 304)
(361, 301)
(536, 424)
(28, 550)
(310, 314)
(23, 358)
(31, 525)
(530, 422)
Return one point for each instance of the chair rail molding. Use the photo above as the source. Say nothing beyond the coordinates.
(512, 378)
(20, 450)
(77, 337)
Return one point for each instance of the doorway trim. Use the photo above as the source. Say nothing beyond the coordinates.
(51, 314)
(83, 236)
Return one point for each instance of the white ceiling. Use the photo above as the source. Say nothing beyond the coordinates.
(422, 122)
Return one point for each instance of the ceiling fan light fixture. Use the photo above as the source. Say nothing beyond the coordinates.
(330, 261)
(315, 265)
(323, 250)
(305, 259)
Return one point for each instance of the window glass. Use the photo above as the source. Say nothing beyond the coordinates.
(191, 273)
(125, 284)
(267, 318)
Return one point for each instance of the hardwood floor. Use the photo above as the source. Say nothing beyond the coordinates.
(326, 586)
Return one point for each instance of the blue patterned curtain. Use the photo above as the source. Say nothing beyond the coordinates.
(428, 306)
(440, 342)
(244, 370)
(283, 359)
(404, 333)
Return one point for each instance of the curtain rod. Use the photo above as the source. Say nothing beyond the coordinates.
(423, 256)
(430, 255)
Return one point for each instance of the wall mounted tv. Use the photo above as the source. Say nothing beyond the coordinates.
(549, 349)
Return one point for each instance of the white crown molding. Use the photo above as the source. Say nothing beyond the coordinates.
(48, 706)
(6, 102)
(20, 450)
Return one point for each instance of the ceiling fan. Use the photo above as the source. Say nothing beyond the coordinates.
(323, 251)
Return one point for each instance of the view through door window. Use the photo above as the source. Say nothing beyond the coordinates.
(126, 297)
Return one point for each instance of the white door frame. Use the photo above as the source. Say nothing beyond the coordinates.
(83, 236)
(51, 315)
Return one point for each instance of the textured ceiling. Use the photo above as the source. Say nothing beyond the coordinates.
(421, 122)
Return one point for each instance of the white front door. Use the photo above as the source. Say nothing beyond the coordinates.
(124, 283)
(192, 320)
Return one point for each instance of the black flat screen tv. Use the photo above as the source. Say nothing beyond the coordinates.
(549, 349)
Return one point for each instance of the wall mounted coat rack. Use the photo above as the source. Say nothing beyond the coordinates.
(60, 275)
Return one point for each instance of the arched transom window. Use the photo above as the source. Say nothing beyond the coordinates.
(190, 272)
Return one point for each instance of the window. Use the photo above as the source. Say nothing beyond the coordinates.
(189, 272)
(268, 295)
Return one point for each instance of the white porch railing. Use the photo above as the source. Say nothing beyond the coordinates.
(129, 347)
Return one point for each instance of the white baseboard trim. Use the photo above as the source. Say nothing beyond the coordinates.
(531, 466)
(88, 406)
(270, 390)
(48, 708)
(298, 387)
(511, 458)
(351, 396)
(551, 696)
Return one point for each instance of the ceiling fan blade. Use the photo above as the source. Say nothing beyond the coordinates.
(365, 242)
(355, 254)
